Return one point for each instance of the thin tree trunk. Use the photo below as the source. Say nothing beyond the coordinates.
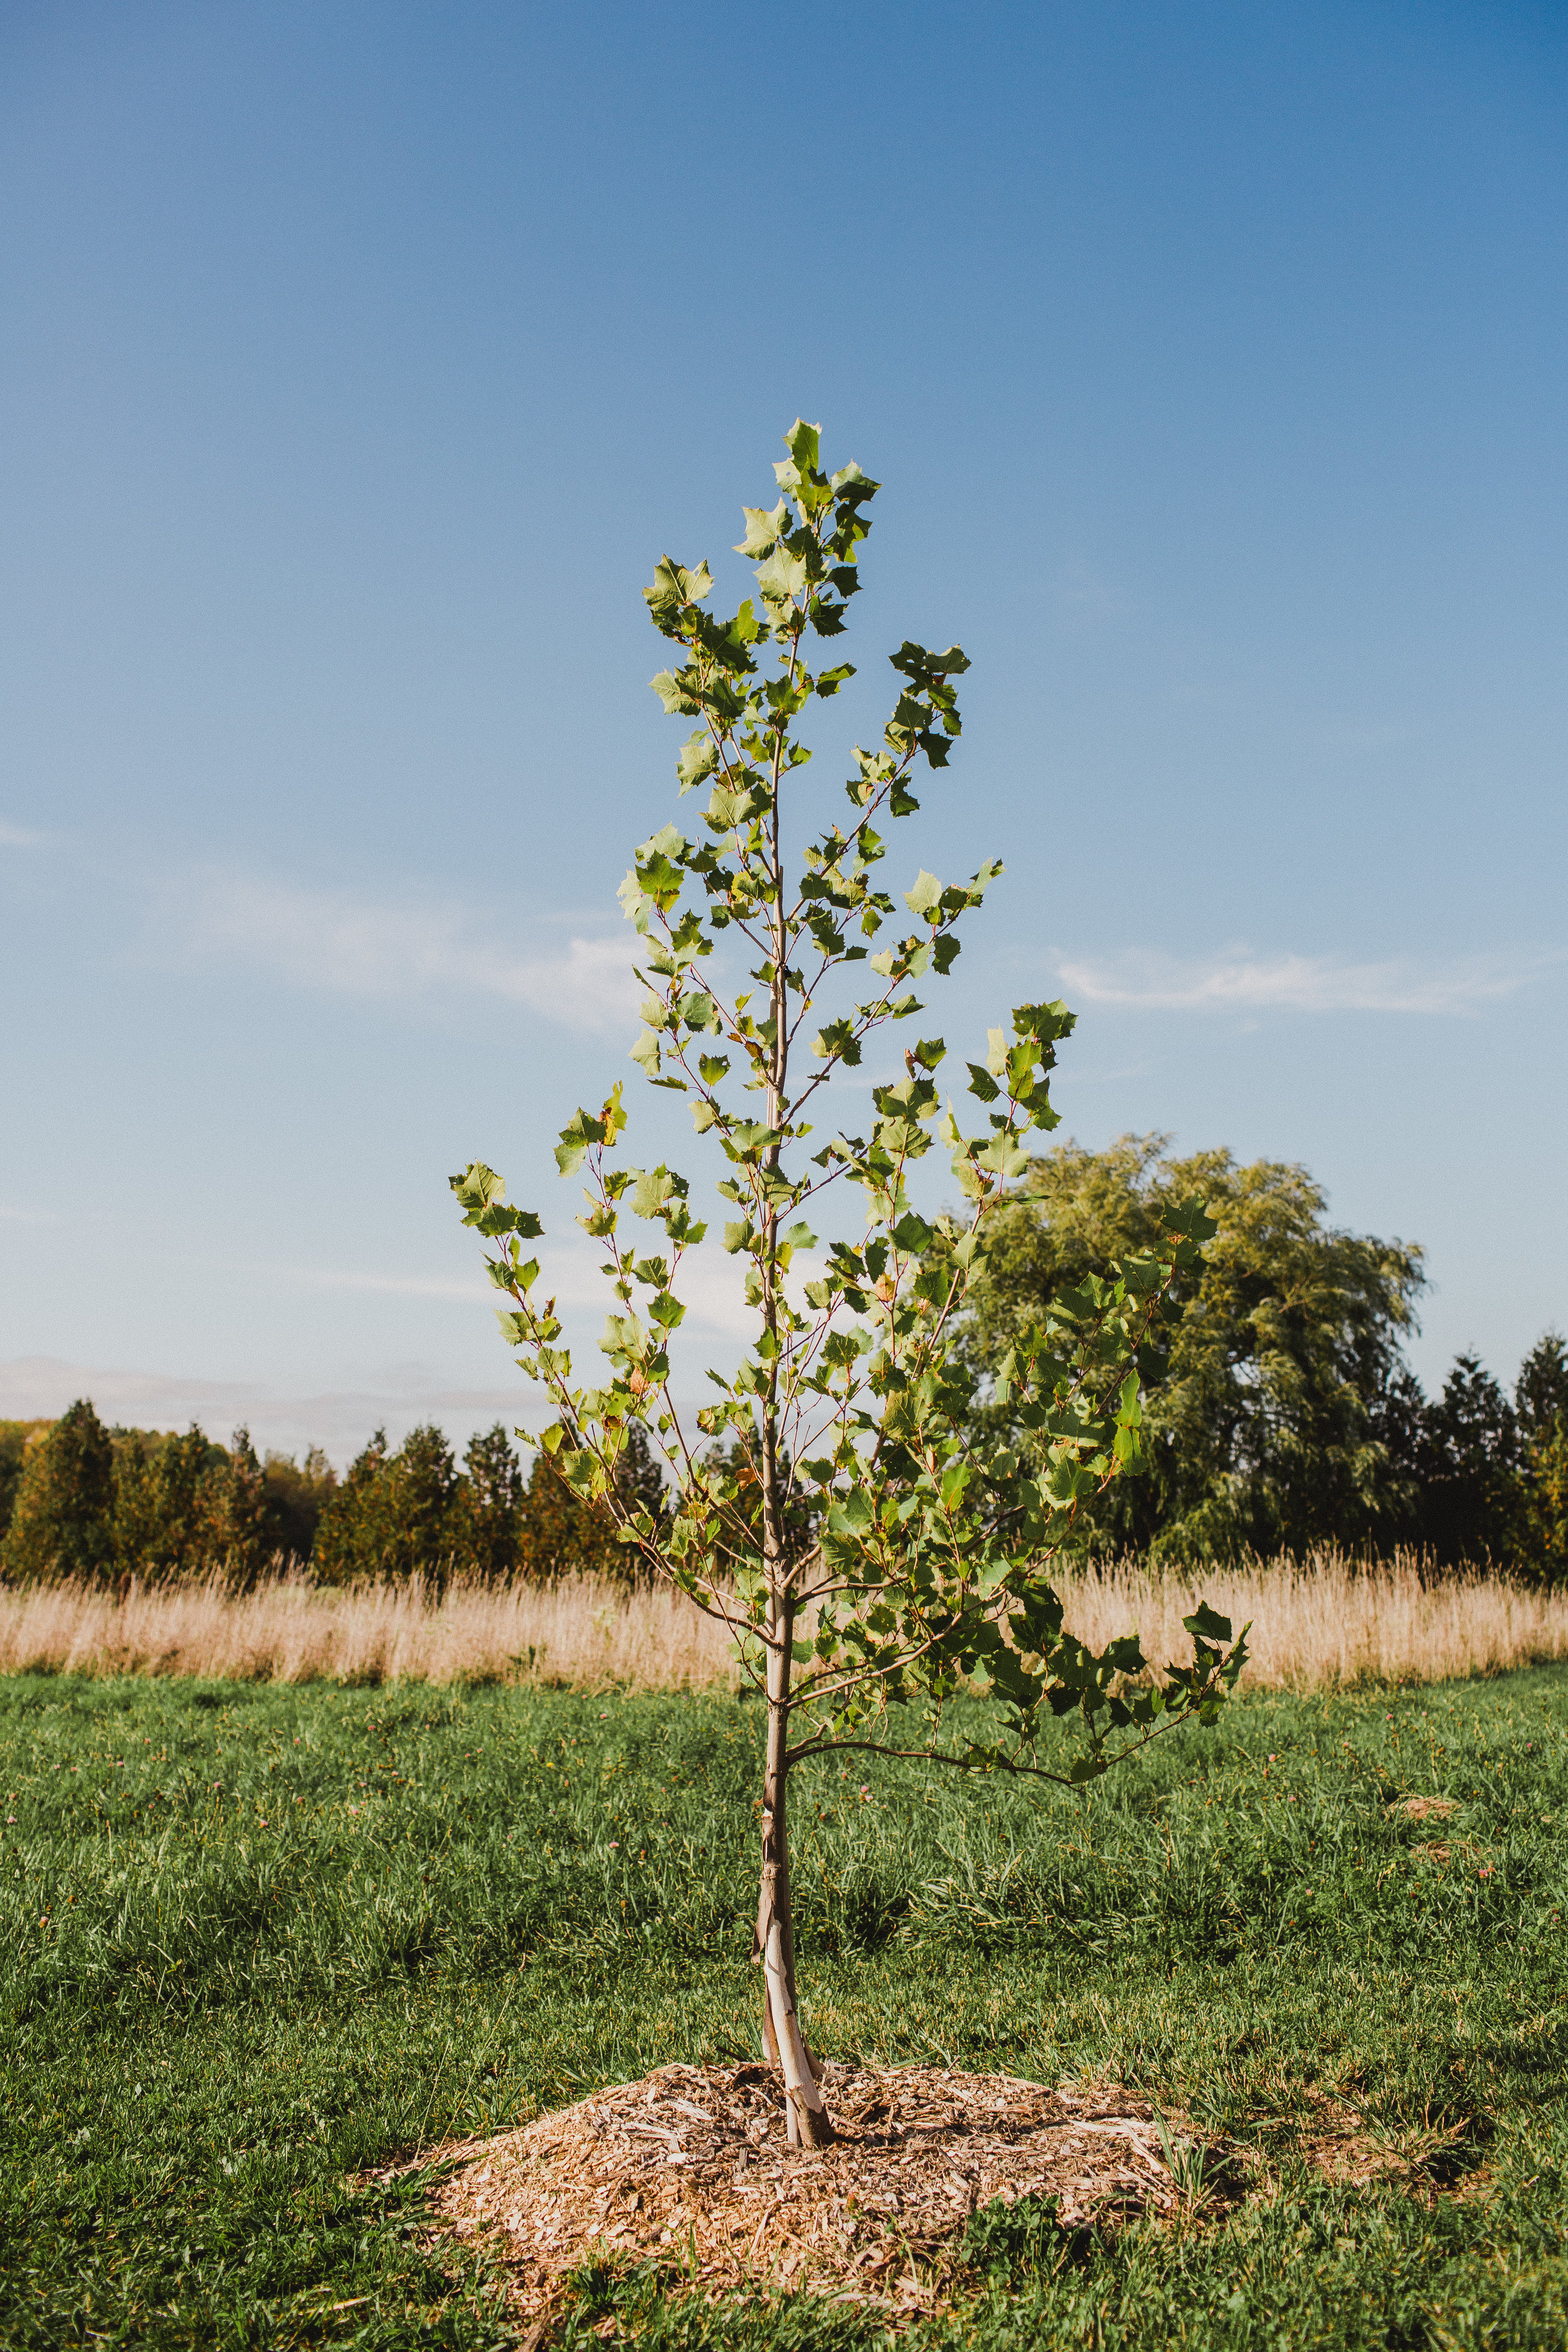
(808, 2122)
(806, 2115)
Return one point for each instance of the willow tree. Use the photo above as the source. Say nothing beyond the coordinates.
(826, 1507)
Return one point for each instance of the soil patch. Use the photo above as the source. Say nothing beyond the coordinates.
(690, 2166)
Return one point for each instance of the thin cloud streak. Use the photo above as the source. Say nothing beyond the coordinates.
(41, 1387)
(395, 1285)
(711, 1285)
(332, 941)
(1241, 982)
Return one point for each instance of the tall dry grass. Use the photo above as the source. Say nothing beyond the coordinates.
(1320, 1624)
(289, 1629)
(1328, 1623)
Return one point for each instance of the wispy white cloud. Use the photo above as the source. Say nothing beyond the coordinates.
(1239, 980)
(710, 1285)
(27, 1216)
(40, 1387)
(392, 1286)
(20, 836)
(334, 940)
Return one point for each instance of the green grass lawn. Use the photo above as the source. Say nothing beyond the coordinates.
(257, 1939)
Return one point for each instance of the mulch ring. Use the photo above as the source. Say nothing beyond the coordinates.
(691, 2166)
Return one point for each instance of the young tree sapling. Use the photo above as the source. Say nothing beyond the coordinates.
(827, 1506)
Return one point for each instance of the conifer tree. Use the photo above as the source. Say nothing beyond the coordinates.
(63, 1521)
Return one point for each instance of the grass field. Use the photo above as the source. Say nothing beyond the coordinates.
(259, 1938)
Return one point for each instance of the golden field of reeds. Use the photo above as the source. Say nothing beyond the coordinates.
(1321, 1623)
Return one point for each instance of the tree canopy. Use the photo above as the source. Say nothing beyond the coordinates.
(1266, 1423)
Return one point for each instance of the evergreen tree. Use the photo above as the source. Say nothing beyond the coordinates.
(346, 1535)
(1469, 1460)
(1541, 1392)
(395, 1515)
(14, 1439)
(63, 1521)
(568, 1534)
(241, 1524)
(1540, 1408)
(296, 1494)
(169, 1503)
(493, 1493)
(424, 1507)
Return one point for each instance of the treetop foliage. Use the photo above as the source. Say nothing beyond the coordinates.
(830, 1475)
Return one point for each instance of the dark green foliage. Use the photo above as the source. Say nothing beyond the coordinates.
(175, 1505)
(262, 1940)
(1541, 1403)
(14, 1436)
(1263, 1426)
(62, 1521)
(412, 1512)
(1281, 1413)
(1468, 1459)
(1541, 1392)
(494, 1495)
(180, 1506)
(296, 1494)
(395, 1514)
(170, 1497)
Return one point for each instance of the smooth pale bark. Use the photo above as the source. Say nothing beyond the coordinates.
(808, 2122)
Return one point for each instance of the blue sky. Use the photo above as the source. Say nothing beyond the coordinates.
(357, 363)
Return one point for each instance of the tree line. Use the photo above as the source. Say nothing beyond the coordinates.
(1280, 1413)
(81, 1500)
(1280, 1409)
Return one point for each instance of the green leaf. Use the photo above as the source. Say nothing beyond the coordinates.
(803, 442)
(481, 1195)
(698, 759)
(676, 699)
(674, 588)
(782, 577)
(925, 896)
(646, 1051)
(1205, 1625)
(577, 1136)
(652, 1192)
(763, 527)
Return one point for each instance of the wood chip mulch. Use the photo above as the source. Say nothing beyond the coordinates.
(690, 2166)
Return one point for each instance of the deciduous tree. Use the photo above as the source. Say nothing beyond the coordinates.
(829, 1508)
(1273, 1420)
